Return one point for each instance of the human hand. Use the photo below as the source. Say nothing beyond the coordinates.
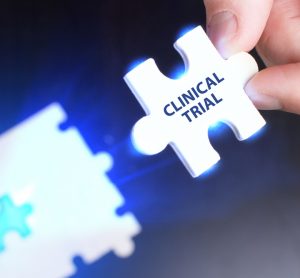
(273, 27)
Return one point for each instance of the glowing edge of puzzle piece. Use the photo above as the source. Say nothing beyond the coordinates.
(242, 65)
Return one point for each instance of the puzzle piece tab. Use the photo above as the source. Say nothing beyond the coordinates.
(180, 112)
(13, 219)
(74, 201)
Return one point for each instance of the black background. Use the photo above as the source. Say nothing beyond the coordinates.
(239, 220)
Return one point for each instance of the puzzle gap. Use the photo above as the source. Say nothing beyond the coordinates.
(220, 134)
(177, 71)
(79, 262)
(64, 126)
(121, 210)
(172, 67)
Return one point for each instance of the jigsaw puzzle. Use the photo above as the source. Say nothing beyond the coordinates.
(180, 112)
(52, 175)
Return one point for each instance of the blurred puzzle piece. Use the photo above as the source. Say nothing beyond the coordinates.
(74, 202)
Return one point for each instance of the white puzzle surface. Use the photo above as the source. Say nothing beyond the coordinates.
(57, 201)
(179, 112)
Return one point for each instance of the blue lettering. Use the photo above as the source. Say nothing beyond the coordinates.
(215, 99)
(208, 103)
(199, 89)
(167, 112)
(175, 107)
(186, 114)
(210, 82)
(201, 106)
(181, 101)
(195, 111)
(188, 97)
(217, 78)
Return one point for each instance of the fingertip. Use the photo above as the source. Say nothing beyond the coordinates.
(259, 99)
(276, 87)
(230, 23)
(221, 29)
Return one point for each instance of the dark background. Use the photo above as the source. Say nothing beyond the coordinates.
(239, 220)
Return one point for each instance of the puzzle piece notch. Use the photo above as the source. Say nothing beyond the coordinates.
(13, 219)
(180, 112)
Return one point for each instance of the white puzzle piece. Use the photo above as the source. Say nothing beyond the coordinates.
(53, 175)
(179, 112)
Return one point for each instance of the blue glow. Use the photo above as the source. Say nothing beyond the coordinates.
(220, 127)
(211, 171)
(133, 149)
(185, 30)
(177, 72)
(146, 171)
(217, 128)
(256, 136)
(12, 218)
(135, 63)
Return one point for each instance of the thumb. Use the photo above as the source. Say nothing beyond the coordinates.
(236, 25)
(276, 87)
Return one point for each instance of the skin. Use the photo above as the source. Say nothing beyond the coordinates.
(273, 27)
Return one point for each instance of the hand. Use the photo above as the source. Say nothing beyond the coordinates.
(273, 27)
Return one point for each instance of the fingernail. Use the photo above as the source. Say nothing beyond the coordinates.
(221, 29)
(262, 101)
